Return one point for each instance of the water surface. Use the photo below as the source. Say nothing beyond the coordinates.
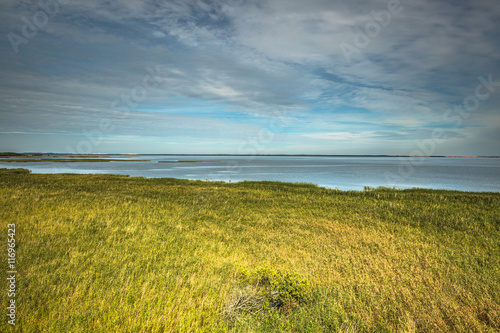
(345, 173)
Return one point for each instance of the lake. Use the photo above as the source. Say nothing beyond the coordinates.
(345, 173)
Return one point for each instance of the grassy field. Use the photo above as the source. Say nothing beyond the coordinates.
(68, 160)
(107, 253)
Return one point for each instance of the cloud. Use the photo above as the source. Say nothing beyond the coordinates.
(229, 67)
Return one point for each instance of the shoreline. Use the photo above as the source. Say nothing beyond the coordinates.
(277, 182)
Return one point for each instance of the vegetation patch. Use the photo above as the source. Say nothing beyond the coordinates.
(267, 288)
(69, 160)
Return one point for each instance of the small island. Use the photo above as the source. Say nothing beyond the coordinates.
(190, 161)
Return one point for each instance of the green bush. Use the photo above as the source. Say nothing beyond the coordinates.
(283, 288)
(267, 289)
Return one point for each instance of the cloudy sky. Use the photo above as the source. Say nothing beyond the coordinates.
(250, 76)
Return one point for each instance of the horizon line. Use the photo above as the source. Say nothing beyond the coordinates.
(215, 154)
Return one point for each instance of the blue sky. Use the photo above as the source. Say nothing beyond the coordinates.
(243, 77)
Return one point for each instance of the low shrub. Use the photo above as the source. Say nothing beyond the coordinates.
(265, 289)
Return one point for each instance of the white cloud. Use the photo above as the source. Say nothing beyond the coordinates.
(251, 59)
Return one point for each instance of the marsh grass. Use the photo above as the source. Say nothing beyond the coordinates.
(68, 160)
(108, 253)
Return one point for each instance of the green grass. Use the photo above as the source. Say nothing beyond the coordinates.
(68, 160)
(107, 253)
(11, 154)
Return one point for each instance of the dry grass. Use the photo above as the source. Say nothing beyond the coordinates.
(244, 302)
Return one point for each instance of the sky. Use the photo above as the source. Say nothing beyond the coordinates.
(397, 77)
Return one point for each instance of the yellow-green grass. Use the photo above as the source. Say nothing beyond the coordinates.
(107, 253)
(10, 154)
(68, 160)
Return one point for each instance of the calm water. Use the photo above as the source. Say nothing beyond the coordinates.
(345, 173)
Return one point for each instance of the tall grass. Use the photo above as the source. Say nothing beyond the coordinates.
(107, 253)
